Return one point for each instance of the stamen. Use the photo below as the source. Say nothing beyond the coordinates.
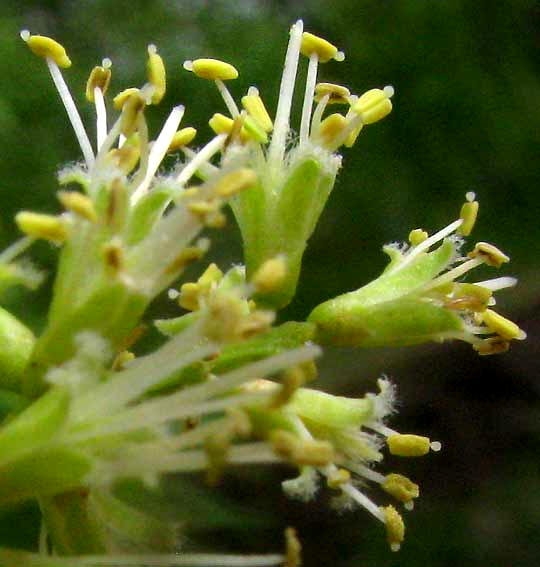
(37, 225)
(426, 244)
(364, 501)
(171, 560)
(502, 326)
(16, 249)
(156, 74)
(489, 254)
(469, 212)
(254, 105)
(317, 115)
(101, 117)
(182, 138)
(374, 105)
(203, 156)
(311, 81)
(498, 283)
(395, 529)
(211, 69)
(286, 90)
(451, 275)
(159, 149)
(227, 98)
(72, 112)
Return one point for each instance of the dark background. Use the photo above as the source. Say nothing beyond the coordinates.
(466, 117)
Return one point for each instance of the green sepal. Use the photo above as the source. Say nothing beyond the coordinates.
(45, 471)
(171, 327)
(16, 345)
(263, 421)
(336, 412)
(145, 214)
(390, 311)
(34, 426)
(278, 339)
(131, 528)
(279, 221)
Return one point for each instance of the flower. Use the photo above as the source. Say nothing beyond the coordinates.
(419, 296)
(294, 176)
(340, 439)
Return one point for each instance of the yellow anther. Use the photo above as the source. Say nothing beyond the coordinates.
(312, 44)
(185, 258)
(120, 99)
(408, 445)
(417, 236)
(202, 208)
(479, 292)
(211, 275)
(291, 379)
(332, 126)
(502, 326)
(121, 360)
(490, 254)
(469, 297)
(469, 212)
(395, 528)
(131, 111)
(157, 77)
(78, 203)
(226, 313)
(293, 549)
(47, 227)
(192, 293)
(351, 138)
(182, 138)
(338, 478)
(254, 323)
(270, 275)
(400, 487)
(239, 422)
(300, 451)
(114, 257)
(235, 182)
(251, 129)
(493, 345)
(48, 48)
(313, 453)
(374, 105)
(244, 126)
(213, 69)
(336, 93)
(99, 77)
(221, 124)
(254, 105)
(127, 157)
(189, 296)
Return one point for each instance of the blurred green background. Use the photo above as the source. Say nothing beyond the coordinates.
(466, 117)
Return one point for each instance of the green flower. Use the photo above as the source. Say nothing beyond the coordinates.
(420, 296)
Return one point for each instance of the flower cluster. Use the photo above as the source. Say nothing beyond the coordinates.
(225, 387)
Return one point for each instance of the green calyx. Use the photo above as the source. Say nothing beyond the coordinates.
(392, 310)
(278, 221)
